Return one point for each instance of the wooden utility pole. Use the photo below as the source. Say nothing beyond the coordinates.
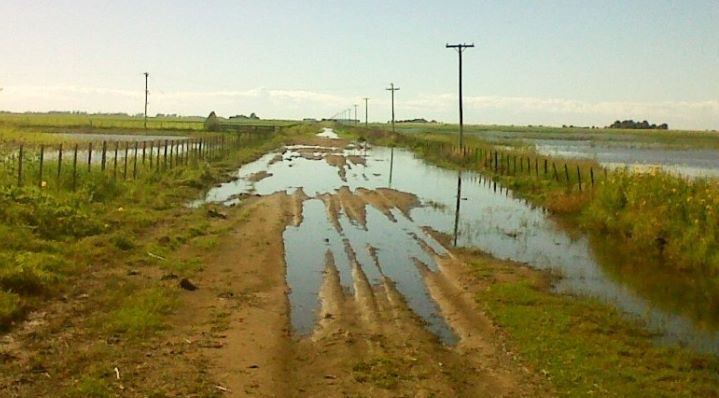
(355, 105)
(365, 111)
(392, 89)
(460, 49)
(146, 93)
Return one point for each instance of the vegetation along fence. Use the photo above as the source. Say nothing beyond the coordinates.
(64, 166)
(573, 174)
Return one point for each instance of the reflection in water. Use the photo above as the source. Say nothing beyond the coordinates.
(695, 296)
(456, 209)
(386, 248)
(391, 165)
(492, 220)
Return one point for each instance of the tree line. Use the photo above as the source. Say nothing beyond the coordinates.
(631, 124)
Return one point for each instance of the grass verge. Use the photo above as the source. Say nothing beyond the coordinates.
(584, 347)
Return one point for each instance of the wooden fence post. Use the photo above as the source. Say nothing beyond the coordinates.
(42, 161)
(104, 156)
(152, 150)
(59, 164)
(579, 178)
(124, 173)
(114, 173)
(566, 173)
(74, 169)
(89, 157)
(134, 163)
(164, 157)
(157, 158)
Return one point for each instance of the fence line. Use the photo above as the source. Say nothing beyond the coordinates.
(36, 167)
(510, 163)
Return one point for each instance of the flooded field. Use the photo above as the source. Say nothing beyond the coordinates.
(366, 220)
(687, 162)
(620, 150)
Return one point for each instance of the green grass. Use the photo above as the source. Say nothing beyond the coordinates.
(586, 348)
(382, 372)
(141, 313)
(51, 233)
(100, 121)
(163, 123)
(90, 247)
(662, 215)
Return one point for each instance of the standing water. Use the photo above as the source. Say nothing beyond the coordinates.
(391, 242)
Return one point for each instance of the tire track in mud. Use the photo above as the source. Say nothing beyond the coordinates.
(373, 328)
(367, 340)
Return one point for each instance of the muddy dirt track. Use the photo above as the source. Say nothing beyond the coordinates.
(366, 338)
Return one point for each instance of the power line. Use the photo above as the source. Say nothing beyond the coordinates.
(460, 49)
(392, 89)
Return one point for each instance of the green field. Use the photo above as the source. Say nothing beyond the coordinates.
(85, 121)
(507, 134)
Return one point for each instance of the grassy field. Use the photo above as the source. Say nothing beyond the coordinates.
(584, 347)
(45, 223)
(510, 135)
(93, 243)
(61, 120)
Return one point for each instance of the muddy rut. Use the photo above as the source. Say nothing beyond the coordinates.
(366, 339)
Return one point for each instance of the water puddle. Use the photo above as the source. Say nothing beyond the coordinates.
(383, 247)
(328, 133)
(360, 210)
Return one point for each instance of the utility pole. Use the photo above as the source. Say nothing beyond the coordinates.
(146, 92)
(356, 115)
(392, 89)
(460, 49)
(365, 111)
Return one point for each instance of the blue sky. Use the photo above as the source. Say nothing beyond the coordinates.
(542, 62)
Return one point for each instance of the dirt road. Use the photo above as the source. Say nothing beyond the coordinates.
(367, 341)
(319, 284)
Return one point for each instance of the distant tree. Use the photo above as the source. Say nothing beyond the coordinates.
(631, 124)
(253, 116)
(212, 123)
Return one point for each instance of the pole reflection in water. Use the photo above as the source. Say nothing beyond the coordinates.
(456, 210)
(391, 164)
